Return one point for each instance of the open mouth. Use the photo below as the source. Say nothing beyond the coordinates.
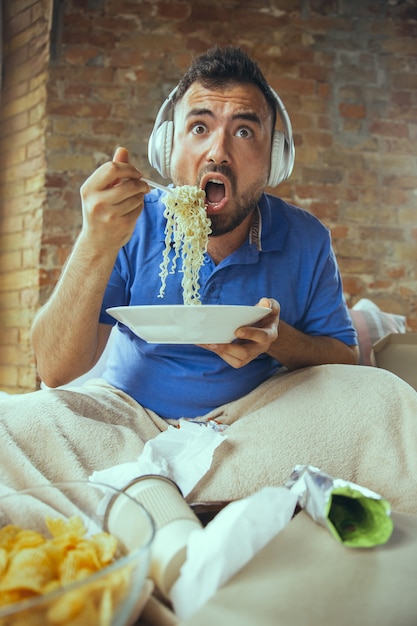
(216, 193)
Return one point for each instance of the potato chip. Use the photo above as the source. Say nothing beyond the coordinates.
(77, 565)
(27, 539)
(8, 536)
(73, 527)
(4, 560)
(106, 608)
(67, 607)
(32, 565)
(31, 568)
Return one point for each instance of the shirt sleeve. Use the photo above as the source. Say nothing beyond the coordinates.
(116, 293)
(326, 313)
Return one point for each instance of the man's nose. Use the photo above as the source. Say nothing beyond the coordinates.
(219, 150)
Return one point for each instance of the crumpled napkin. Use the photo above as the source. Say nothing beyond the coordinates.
(215, 553)
(183, 454)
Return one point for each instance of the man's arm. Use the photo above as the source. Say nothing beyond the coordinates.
(288, 345)
(295, 349)
(67, 337)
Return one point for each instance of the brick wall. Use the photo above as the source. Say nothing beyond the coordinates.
(346, 70)
(22, 188)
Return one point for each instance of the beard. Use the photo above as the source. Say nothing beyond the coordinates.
(222, 224)
(246, 204)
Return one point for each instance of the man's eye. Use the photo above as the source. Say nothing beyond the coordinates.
(199, 129)
(245, 133)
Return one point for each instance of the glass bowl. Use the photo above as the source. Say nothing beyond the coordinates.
(102, 575)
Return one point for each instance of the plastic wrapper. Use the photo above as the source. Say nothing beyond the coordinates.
(356, 516)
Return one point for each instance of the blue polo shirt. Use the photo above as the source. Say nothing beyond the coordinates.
(287, 256)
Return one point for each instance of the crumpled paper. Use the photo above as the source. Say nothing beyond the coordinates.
(215, 553)
(182, 454)
(356, 516)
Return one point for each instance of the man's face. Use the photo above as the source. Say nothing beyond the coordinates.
(222, 144)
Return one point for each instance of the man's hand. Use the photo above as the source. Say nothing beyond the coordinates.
(292, 348)
(251, 341)
(112, 200)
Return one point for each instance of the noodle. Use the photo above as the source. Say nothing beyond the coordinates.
(189, 227)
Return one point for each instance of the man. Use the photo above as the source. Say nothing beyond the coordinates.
(285, 387)
(224, 118)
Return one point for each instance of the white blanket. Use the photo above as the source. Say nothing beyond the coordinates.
(356, 423)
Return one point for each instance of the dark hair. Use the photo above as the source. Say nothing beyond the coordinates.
(219, 66)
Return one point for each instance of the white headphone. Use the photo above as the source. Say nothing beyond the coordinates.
(282, 151)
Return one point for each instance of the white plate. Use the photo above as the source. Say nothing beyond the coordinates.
(177, 323)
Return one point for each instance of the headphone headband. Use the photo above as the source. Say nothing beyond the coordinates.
(282, 151)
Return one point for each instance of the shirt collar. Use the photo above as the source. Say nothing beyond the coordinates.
(255, 230)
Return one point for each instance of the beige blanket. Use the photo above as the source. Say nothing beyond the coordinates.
(356, 423)
(303, 577)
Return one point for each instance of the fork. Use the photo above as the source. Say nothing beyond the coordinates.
(158, 185)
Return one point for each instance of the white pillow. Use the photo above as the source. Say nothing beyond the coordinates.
(372, 324)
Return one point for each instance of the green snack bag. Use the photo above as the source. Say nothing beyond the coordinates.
(356, 516)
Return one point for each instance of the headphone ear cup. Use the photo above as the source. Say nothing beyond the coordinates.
(160, 148)
(277, 159)
(282, 159)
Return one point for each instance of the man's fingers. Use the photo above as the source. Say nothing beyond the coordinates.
(121, 155)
